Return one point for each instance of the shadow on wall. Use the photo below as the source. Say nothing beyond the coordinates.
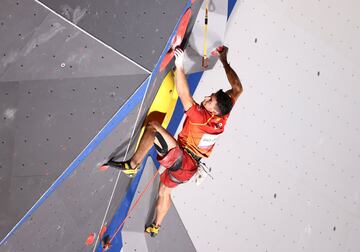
(119, 152)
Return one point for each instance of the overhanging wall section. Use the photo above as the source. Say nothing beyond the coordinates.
(58, 88)
(77, 207)
(139, 29)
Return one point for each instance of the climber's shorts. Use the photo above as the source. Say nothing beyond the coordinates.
(180, 167)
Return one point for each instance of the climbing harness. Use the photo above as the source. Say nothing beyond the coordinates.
(177, 166)
(196, 158)
(174, 179)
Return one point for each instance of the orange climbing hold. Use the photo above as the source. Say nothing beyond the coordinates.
(90, 239)
(217, 51)
(102, 232)
(177, 39)
(103, 168)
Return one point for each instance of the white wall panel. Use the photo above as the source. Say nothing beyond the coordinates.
(286, 169)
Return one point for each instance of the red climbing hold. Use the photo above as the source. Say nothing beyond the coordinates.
(90, 239)
(177, 39)
(103, 167)
(102, 232)
(217, 50)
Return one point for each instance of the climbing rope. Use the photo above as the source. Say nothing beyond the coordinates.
(204, 58)
(108, 242)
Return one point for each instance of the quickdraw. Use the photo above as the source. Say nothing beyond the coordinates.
(205, 60)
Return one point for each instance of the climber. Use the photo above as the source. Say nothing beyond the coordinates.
(203, 124)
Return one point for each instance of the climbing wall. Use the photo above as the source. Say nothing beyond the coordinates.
(173, 235)
(211, 39)
(71, 98)
(51, 101)
(286, 175)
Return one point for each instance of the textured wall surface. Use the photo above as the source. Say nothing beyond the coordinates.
(63, 90)
(287, 167)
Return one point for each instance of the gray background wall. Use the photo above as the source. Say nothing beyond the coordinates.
(287, 167)
(55, 99)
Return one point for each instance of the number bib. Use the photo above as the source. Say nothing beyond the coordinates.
(208, 140)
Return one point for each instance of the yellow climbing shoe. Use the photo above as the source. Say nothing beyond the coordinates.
(125, 167)
(152, 230)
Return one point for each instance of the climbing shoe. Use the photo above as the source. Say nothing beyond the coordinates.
(105, 243)
(124, 167)
(152, 230)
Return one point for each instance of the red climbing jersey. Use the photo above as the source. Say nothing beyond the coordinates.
(199, 133)
(200, 130)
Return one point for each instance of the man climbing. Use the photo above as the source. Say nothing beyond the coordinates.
(203, 124)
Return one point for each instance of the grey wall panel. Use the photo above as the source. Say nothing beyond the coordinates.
(53, 122)
(77, 207)
(57, 49)
(53, 116)
(215, 36)
(8, 110)
(118, 154)
(173, 235)
(139, 29)
(18, 21)
(143, 213)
